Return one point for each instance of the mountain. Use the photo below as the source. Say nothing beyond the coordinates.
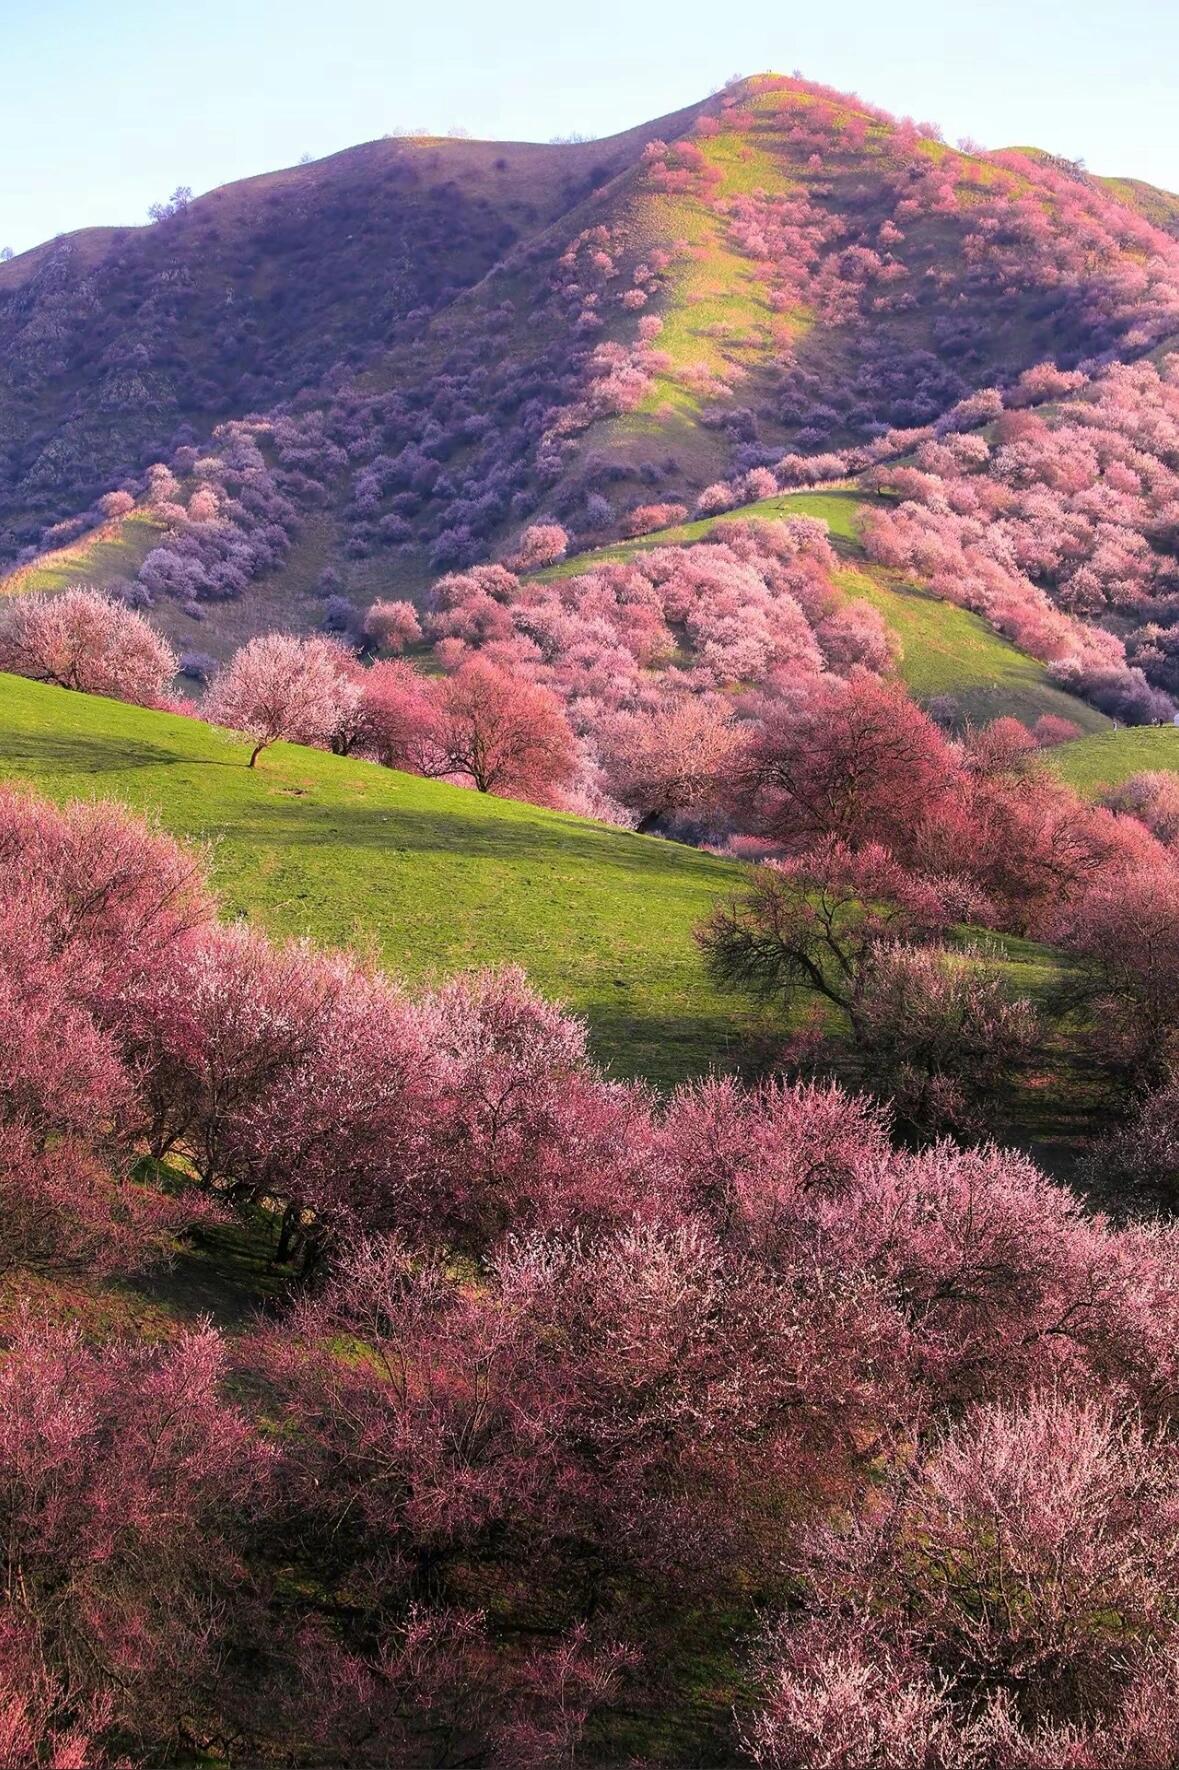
(383, 365)
(117, 340)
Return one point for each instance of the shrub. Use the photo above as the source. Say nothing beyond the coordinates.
(83, 640)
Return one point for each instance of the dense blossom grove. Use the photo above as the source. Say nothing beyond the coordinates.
(1053, 525)
(675, 639)
(565, 1368)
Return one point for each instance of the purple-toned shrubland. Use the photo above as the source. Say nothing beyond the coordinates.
(884, 1425)
(939, 282)
(237, 525)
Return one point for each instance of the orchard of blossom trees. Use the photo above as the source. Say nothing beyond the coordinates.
(1052, 524)
(562, 1387)
(477, 727)
(726, 691)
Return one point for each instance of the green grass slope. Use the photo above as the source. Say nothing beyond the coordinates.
(432, 878)
(947, 652)
(950, 654)
(116, 550)
(1093, 764)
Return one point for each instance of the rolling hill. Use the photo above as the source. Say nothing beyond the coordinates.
(382, 365)
(431, 878)
(1158, 206)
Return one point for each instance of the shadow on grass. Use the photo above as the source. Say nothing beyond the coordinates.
(227, 1272)
(58, 753)
(667, 1049)
(504, 838)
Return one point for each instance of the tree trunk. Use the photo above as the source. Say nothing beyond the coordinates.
(286, 1235)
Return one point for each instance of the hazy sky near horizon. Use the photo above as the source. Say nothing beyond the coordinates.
(106, 109)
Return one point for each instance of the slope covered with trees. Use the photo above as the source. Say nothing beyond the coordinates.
(230, 302)
(381, 367)
(439, 879)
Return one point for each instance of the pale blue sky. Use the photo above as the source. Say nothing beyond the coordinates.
(106, 107)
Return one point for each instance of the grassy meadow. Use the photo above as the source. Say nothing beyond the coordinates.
(432, 879)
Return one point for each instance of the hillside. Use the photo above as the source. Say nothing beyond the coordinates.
(432, 880)
(1160, 207)
(117, 340)
(380, 366)
(430, 877)
(948, 656)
